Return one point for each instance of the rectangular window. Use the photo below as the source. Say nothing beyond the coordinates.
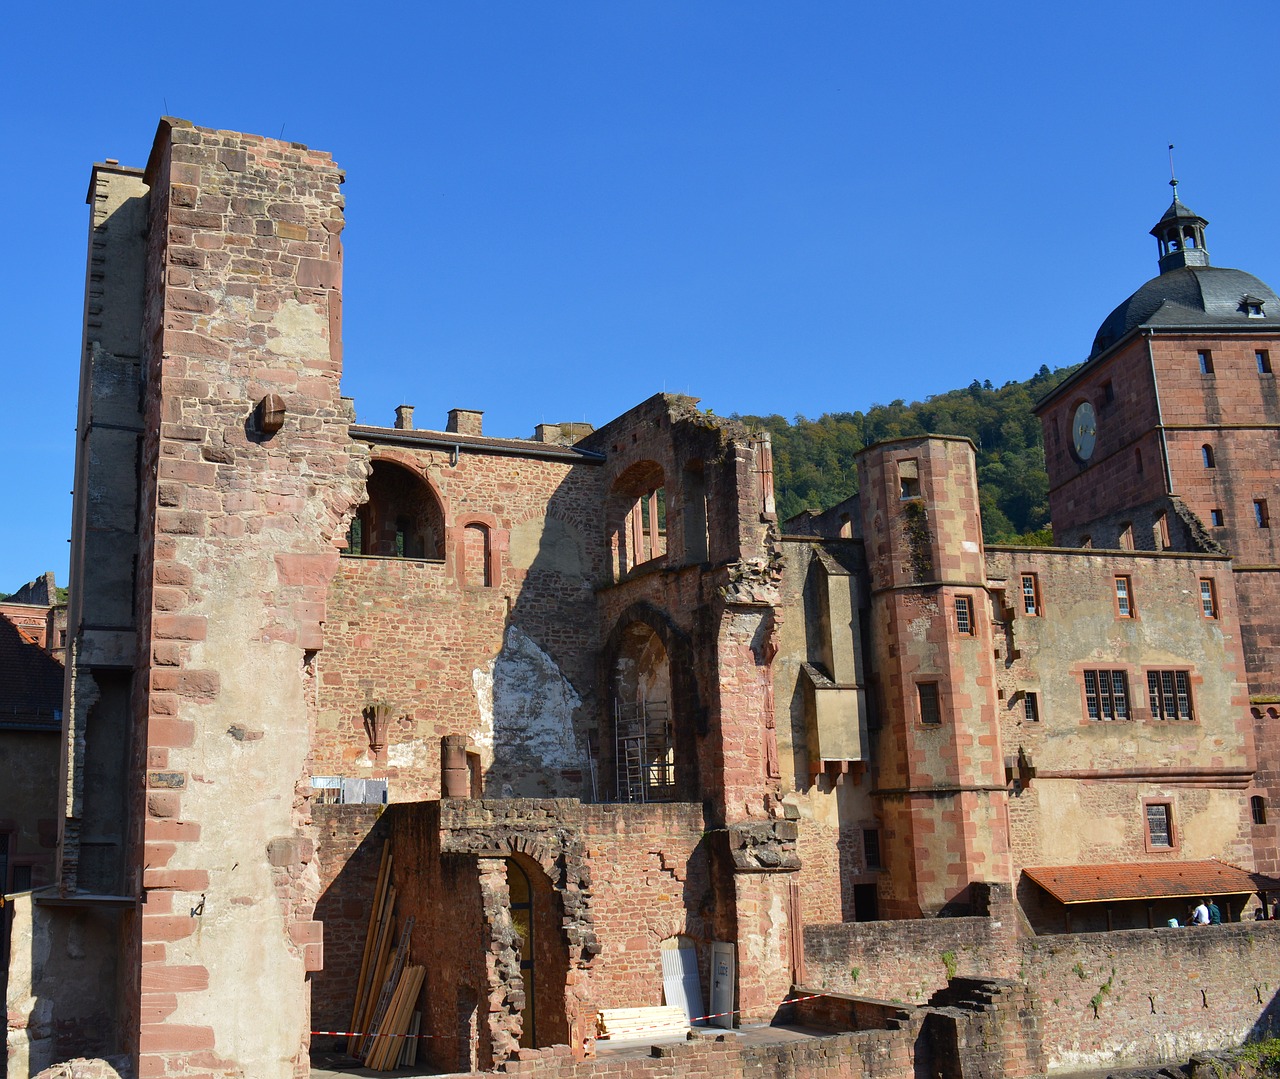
(929, 711)
(1260, 513)
(1030, 594)
(1124, 598)
(1106, 695)
(909, 478)
(1159, 824)
(1215, 518)
(1264, 361)
(964, 616)
(1169, 693)
(1258, 807)
(1206, 361)
(1108, 393)
(871, 848)
(1030, 707)
(1208, 598)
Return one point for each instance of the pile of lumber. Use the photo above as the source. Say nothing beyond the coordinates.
(619, 1023)
(384, 1021)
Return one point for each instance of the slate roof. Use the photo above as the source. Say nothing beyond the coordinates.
(30, 683)
(1202, 296)
(1147, 880)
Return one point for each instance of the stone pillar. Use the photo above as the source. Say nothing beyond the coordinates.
(455, 780)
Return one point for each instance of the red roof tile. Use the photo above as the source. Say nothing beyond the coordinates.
(1146, 880)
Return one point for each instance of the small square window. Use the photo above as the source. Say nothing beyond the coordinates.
(1260, 513)
(1030, 594)
(1208, 598)
(871, 848)
(1215, 518)
(1205, 358)
(1124, 598)
(1263, 358)
(1031, 707)
(930, 712)
(1159, 825)
(964, 616)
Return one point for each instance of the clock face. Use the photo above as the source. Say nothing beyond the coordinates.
(1084, 431)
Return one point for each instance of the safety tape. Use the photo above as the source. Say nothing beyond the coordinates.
(359, 1034)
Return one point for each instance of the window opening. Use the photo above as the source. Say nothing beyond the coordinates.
(1170, 694)
(645, 752)
(1159, 829)
(1162, 532)
(1215, 518)
(1030, 594)
(1208, 598)
(930, 712)
(521, 891)
(1260, 513)
(871, 848)
(1126, 537)
(1137, 458)
(964, 616)
(1124, 597)
(1263, 358)
(477, 551)
(1031, 707)
(1258, 809)
(1108, 393)
(1206, 454)
(1205, 358)
(1106, 695)
(909, 479)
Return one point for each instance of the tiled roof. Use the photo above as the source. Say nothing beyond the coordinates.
(30, 681)
(1146, 880)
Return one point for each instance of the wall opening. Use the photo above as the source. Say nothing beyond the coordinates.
(536, 915)
(401, 519)
(644, 751)
(637, 517)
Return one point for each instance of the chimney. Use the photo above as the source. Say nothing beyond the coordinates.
(404, 417)
(465, 421)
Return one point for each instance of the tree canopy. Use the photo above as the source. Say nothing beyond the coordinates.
(813, 459)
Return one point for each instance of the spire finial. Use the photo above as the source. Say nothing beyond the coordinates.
(1173, 176)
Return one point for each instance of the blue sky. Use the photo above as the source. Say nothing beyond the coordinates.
(555, 210)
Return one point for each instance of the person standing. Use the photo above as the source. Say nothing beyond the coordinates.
(1215, 915)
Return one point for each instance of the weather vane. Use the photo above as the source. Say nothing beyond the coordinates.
(1173, 176)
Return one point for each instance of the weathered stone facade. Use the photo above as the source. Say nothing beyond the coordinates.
(618, 712)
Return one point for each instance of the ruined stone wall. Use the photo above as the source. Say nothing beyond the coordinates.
(1085, 802)
(907, 960)
(1138, 996)
(512, 666)
(349, 841)
(243, 299)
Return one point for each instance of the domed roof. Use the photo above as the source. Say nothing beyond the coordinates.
(1190, 296)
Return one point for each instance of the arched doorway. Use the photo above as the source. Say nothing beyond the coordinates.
(537, 916)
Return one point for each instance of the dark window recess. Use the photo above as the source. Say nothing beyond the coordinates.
(1258, 807)
(871, 848)
(929, 710)
(1205, 358)
(1260, 513)
(1215, 518)
(1263, 358)
(866, 903)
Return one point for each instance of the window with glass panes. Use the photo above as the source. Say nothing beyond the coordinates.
(1170, 694)
(1106, 695)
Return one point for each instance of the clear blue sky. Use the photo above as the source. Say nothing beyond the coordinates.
(557, 209)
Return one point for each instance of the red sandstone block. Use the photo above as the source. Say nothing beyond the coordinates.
(167, 926)
(164, 803)
(172, 1037)
(168, 732)
(182, 880)
(204, 684)
(161, 977)
(180, 627)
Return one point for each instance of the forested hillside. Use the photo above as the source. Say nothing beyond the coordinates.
(813, 459)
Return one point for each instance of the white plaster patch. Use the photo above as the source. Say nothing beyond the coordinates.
(526, 703)
(300, 331)
(968, 546)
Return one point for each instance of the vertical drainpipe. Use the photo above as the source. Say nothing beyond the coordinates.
(1164, 439)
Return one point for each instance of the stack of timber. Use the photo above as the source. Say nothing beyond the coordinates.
(619, 1023)
(383, 1020)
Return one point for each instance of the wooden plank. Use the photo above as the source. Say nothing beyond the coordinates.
(388, 988)
(375, 915)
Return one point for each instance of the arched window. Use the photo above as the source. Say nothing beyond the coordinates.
(1206, 452)
(401, 519)
(637, 518)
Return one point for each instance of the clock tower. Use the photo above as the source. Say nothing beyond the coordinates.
(1168, 438)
